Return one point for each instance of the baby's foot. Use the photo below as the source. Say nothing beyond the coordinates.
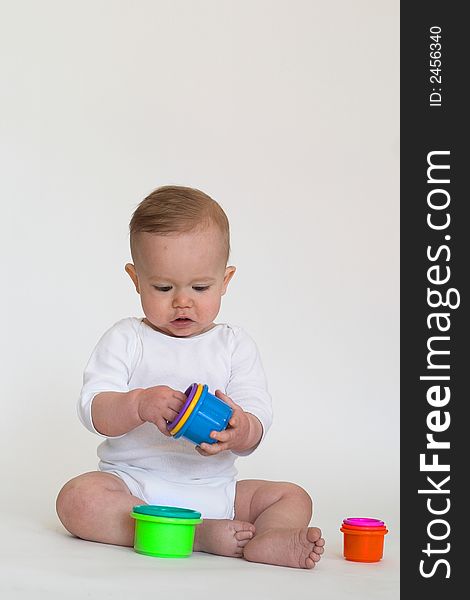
(223, 536)
(287, 547)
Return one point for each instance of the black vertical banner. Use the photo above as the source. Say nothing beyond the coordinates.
(435, 269)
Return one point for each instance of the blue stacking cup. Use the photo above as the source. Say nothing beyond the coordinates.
(209, 414)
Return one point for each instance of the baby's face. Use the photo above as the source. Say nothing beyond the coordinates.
(180, 275)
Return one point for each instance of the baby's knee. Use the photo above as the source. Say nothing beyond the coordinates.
(298, 492)
(75, 501)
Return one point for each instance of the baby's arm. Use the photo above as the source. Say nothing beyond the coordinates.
(116, 413)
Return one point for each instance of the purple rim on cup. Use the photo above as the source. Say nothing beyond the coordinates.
(189, 393)
(362, 522)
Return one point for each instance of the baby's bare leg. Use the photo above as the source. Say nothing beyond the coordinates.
(96, 506)
(281, 513)
(224, 537)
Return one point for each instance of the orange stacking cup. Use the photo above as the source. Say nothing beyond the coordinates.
(363, 539)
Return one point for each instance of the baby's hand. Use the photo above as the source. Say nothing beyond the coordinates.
(159, 405)
(235, 437)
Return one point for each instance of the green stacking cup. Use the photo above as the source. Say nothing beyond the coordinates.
(164, 531)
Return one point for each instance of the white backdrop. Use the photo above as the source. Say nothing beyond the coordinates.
(287, 114)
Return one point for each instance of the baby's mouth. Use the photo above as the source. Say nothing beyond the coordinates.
(182, 321)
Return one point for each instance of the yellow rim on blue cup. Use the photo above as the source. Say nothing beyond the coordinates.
(189, 410)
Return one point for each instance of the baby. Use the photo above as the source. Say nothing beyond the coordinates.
(132, 388)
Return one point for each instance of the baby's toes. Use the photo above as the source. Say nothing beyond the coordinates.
(314, 535)
(243, 527)
(309, 562)
(244, 536)
(318, 549)
(242, 544)
(242, 540)
(314, 556)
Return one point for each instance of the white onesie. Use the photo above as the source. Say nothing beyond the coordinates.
(160, 469)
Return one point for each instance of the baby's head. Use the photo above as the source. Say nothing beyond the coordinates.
(180, 244)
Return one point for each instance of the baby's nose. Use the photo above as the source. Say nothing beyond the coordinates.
(181, 300)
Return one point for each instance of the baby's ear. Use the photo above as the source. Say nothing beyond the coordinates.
(229, 273)
(130, 270)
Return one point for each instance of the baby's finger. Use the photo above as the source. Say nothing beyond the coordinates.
(175, 404)
(179, 396)
(221, 436)
(201, 451)
(163, 427)
(226, 399)
(208, 448)
(213, 449)
(170, 415)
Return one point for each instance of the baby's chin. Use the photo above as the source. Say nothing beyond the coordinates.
(187, 328)
(190, 329)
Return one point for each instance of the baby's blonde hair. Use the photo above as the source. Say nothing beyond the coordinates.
(176, 209)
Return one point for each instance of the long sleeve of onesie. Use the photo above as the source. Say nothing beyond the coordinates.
(109, 368)
(247, 385)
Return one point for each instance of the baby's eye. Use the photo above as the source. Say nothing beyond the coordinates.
(200, 288)
(165, 288)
